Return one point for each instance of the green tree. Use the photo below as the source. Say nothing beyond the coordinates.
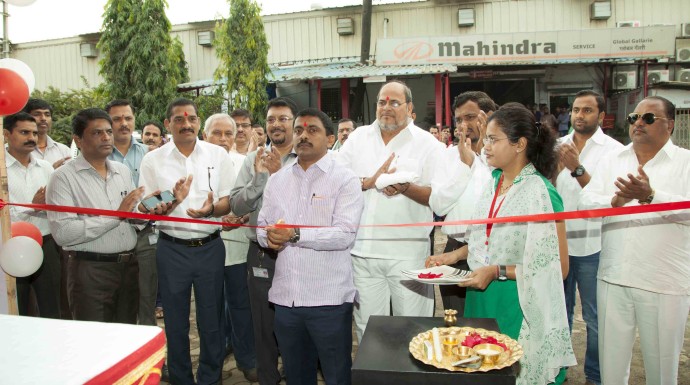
(141, 62)
(242, 49)
(66, 104)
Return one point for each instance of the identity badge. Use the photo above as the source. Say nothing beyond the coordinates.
(153, 239)
(260, 272)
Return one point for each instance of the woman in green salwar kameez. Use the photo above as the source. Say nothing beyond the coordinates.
(518, 268)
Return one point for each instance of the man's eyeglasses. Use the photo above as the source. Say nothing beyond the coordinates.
(281, 119)
(648, 118)
(491, 141)
(245, 126)
(393, 103)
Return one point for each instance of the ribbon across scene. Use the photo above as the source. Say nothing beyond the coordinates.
(580, 214)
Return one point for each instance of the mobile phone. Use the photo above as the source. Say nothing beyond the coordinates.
(151, 202)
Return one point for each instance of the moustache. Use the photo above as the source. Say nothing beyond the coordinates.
(183, 130)
(30, 143)
(304, 142)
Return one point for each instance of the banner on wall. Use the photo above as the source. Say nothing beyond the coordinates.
(530, 47)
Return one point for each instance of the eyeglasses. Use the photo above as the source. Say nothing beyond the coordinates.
(393, 103)
(245, 126)
(648, 118)
(491, 141)
(281, 119)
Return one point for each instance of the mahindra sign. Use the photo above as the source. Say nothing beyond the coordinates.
(529, 47)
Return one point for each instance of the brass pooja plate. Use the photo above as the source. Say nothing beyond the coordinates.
(506, 359)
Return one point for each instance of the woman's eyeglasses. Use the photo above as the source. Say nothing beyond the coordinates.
(491, 141)
(648, 118)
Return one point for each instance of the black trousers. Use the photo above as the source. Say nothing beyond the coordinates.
(103, 291)
(263, 313)
(45, 282)
(181, 268)
(453, 296)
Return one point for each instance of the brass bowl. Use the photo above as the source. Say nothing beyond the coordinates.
(462, 352)
(490, 353)
(449, 342)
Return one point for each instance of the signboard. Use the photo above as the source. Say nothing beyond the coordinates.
(530, 47)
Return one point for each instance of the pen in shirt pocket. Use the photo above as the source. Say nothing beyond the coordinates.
(315, 197)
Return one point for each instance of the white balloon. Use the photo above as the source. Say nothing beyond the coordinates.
(20, 3)
(21, 256)
(22, 69)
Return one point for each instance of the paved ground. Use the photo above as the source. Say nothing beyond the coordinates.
(575, 375)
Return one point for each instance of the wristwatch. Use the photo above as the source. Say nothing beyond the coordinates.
(579, 171)
(502, 273)
(295, 237)
(647, 200)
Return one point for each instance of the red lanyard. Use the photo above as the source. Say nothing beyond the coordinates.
(489, 226)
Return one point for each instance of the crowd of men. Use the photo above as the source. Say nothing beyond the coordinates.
(278, 288)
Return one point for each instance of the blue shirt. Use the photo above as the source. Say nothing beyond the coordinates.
(317, 269)
(133, 158)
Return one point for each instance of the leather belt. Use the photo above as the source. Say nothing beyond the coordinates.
(123, 257)
(194, 242)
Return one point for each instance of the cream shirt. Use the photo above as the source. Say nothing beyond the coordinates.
(23, 184)
(456, 190)
(645, 251)
(236, 241)
(584, 235)
(213, 170)
(416, 151)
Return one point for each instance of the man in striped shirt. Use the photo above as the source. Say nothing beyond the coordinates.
(102, 278)
(313, 288)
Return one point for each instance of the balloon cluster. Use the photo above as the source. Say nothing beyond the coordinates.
(22, 254)
(16, 84)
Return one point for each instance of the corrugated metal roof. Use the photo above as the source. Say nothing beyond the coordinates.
(334, 71)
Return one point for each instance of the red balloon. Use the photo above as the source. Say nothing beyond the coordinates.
(14, 92)
(27, 229)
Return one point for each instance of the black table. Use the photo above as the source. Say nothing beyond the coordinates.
(383, 356)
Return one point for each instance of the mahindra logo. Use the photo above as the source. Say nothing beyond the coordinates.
(415, 50)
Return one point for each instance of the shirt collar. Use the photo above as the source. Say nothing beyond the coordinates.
(408, 130)
(599, 137)
(11, 161)
(324, 164)
(81, 164)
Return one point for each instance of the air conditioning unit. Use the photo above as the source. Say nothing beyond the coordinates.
(466, 17)
(88, 50)
(625, 24)
(685, 30)
(683, 50)
(205, 38)
(683, 76)
(624, 80)
(657, 76)
(600, 10)
(346, 26)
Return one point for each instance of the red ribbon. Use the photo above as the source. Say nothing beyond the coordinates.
(581, 214)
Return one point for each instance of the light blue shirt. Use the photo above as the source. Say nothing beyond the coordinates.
(133, 158)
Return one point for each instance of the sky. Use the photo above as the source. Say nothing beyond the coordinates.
(53, 19)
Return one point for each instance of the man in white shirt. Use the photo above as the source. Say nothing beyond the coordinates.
(46, 148)
(644, 267)
(28, 177)
(462, 176)
(580, 151)
(220, 129)
(395, 160)
(190, 255)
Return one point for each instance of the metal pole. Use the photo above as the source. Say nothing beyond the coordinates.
(5, 34)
